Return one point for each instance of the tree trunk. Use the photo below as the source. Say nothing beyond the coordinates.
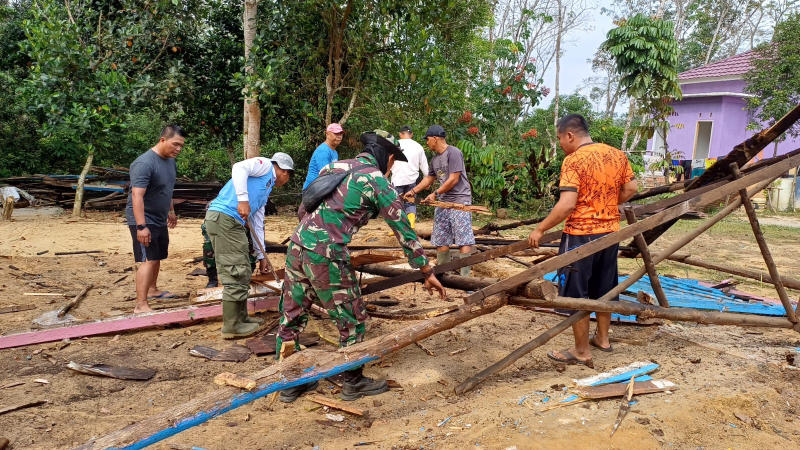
(553, 140)
(628, 123)
(252, 111)
(714, 37)
(775, 153)
(76, 208)
(229, 148)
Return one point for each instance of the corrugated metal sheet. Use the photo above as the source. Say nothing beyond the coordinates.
(688, 293)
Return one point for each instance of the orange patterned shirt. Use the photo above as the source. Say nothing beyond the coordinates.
(596, 172)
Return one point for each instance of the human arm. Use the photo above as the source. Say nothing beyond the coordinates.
(448, 184)
(137, 198)
(256, 224)
(427, 181)
(172, 219)
(566, 204)
(627, 190)
(253, 167)
(423, 164)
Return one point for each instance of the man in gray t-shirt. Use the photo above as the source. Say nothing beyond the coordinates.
(450, 226)
(150, 212)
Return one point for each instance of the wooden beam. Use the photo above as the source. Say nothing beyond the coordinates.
(655, 283)
(125, 323)
(457, 264)
(653, 311)
(789, 282)
(580, 252)
(301, 368)
(763, 247)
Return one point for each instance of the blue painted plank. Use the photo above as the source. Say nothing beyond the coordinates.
(243, 399)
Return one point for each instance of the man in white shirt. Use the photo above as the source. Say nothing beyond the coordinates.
(406, 174)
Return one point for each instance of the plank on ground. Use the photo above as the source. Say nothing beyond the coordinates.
(126, 323)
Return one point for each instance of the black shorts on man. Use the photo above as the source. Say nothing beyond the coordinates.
(591, 277)
(158, 248)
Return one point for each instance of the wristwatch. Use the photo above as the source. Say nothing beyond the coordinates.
(141, 227)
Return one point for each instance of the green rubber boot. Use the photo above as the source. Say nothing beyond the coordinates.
(245, 317)
(232, 325)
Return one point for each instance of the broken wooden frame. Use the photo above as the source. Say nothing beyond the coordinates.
(310, 365)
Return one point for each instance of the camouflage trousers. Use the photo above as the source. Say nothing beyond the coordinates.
(332, 285)
(210, 262)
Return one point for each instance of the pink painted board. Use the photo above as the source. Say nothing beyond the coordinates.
(126, 323)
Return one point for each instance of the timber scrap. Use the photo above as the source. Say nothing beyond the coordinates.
(525, 288)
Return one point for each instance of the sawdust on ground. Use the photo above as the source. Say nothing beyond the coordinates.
(737, 371)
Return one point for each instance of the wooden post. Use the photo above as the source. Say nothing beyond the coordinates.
(544, 338)
(762, 245)
(648, 261)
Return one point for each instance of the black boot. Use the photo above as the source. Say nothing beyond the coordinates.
(212, 278)
(356, 385)
(292, 394)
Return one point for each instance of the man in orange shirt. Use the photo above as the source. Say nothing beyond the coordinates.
(595, 180)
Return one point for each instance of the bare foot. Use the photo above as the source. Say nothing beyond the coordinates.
(142, 309)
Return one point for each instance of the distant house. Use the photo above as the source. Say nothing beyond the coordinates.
(710, 119)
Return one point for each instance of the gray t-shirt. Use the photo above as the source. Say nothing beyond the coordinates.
(442, 165)
(157, 175)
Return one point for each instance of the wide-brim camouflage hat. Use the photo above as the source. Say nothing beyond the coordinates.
(376, 137)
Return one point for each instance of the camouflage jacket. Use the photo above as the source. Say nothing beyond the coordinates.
(363, 194)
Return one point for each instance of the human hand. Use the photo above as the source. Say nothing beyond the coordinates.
(409, 196)
(430, 198)
(432, 283)
(172, 220)
(243, 208)
(143, 236)
(535, 237)
(262, 266)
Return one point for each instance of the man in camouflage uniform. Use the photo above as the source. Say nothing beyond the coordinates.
(210, 262)
(318, 266)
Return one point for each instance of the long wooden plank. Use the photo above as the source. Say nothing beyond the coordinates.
(789, 282)
(125, 323)
(301, 368)
(457, 264)
(580, 252)
(618, 390)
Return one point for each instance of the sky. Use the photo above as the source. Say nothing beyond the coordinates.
(582, 46)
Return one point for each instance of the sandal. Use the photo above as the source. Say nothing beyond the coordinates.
(163, 294)
(608, 349)
(569, 358)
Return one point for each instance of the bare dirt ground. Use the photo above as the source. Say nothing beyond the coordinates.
(735, 370)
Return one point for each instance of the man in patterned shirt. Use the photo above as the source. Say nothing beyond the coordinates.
(318, 266)
(595, 180)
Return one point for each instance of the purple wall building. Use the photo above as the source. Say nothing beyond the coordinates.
(711, 119)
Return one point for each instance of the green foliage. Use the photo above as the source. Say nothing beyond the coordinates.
(774, 79)
(646, 55)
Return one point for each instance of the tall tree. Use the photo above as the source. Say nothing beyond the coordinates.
(252, 112)
(774, 79)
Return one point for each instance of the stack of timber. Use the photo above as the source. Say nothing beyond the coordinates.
(105, 190)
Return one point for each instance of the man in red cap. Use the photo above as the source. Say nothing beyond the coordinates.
(325, 153)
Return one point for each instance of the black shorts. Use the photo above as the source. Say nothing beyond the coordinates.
(591, 277)
(159, 244)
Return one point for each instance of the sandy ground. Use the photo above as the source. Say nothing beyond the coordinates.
(735, 371)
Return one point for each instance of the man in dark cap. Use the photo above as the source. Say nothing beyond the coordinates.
(318, 269)
(450, 226)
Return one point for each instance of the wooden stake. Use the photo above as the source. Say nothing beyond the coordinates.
(334, 404)
(762, 245)
(655, 283)
(74, 302)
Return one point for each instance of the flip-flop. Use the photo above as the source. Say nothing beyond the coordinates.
(608, 349)
(163, 294)
(570, 358)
